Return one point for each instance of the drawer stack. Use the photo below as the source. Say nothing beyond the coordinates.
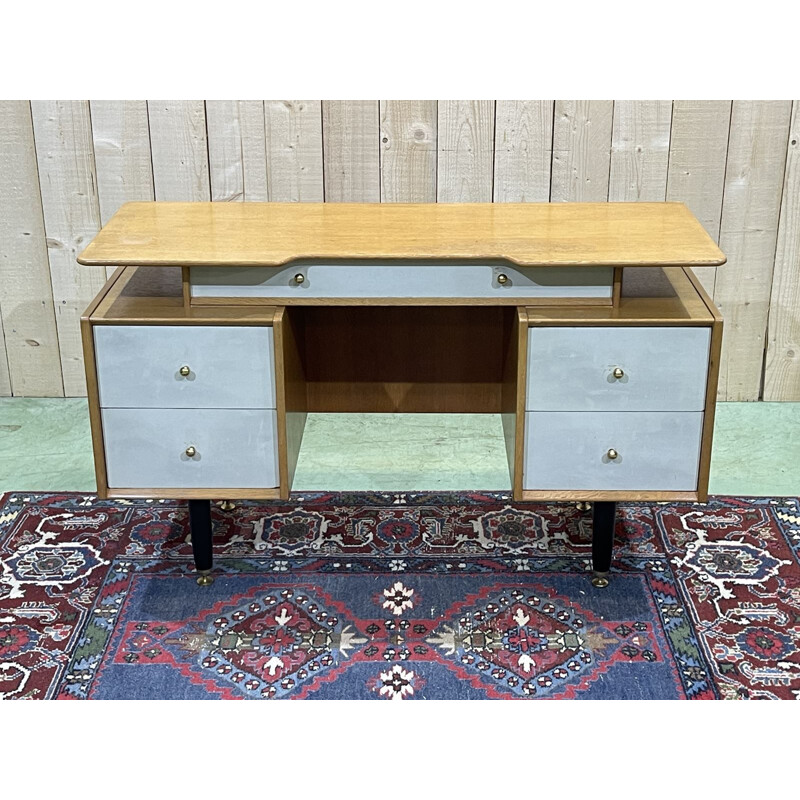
(615, 408)
(187, 407)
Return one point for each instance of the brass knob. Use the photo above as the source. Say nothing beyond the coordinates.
(618, 373)
(299, 278)
(190, 451)
(184, 370)
(612, 453)
(502, 279)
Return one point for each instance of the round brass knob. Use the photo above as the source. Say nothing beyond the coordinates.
(299, 278)
(502, 279)
(612, 453)
(184, 370)
(190, 451)
(618, 373)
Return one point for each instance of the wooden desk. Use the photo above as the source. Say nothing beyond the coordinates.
(580, 324)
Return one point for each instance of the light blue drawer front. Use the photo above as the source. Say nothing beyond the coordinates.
(655, 451)
(572, 369)
(146, 448)
(139, 366)
(424, 279)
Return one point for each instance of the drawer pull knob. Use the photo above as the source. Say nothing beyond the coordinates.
(612, 453)
(618, 373)
(502, 279)
(299, 278)
(191, 452)
(184, 370)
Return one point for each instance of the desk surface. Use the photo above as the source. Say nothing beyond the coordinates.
(528, 234)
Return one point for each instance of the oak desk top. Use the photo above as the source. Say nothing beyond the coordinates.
(527, 234)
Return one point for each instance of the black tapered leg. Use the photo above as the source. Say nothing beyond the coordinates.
(200, 529)
(603, 516)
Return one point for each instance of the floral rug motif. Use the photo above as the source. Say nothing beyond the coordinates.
(398, 597)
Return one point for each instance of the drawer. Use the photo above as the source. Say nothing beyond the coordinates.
(139, 366)
(573, 369)
(233, 449)
(656, 450)
(387, 279)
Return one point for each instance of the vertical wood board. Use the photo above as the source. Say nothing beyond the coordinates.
(465, 160)
(237, 156)
(782, 373)
(409, 134)
(68, 182)
(350, 132)
(697, 157)
(523, 151)
(294, 151)
(581, 150)
(33, 367)
(180, 151)
(748, 233)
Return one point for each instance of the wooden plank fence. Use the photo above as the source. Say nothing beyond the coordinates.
(66, 166)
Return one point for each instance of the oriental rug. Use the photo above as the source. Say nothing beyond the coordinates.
(398, 597)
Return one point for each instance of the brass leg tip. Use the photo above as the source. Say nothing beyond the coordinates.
(583, 506)
(226, 505)
(599, 580)
(204, 578)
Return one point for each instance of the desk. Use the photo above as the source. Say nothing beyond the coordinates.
(227, 323)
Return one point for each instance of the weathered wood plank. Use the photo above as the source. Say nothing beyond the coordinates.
(782, 374)
(408, 151)
(294, 151)
(465, 151)
(352, 153)
(179, 147)
(748, 234)
(523, 150)
(33, 368)
(121, 139)
(640, 150)
(581, 150)
(63, 136)
(237, 156)
(697, 156)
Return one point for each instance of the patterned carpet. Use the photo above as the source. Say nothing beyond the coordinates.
(387, 596)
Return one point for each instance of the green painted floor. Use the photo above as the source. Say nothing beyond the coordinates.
(45, 446)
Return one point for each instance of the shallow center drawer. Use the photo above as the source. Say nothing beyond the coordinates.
(446, 279)
(607, 451)
(191, 366)
(190, 448)
(617, 369)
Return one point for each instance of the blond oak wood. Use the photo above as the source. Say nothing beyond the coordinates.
(522, 382)
(640, 150)
(292, 395)
(685, 307)
(92, 391)
(529, 234)
(351, 153)
(749, 230)
(408, 151)
(65, 155)
(27, 315)
(294, 151)
(714, 357)
(535, 496)
(782, 374)
(523, 144)
(697, 156)
(465, 151)
(237, 157)
(192, 494)
(581, 150)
